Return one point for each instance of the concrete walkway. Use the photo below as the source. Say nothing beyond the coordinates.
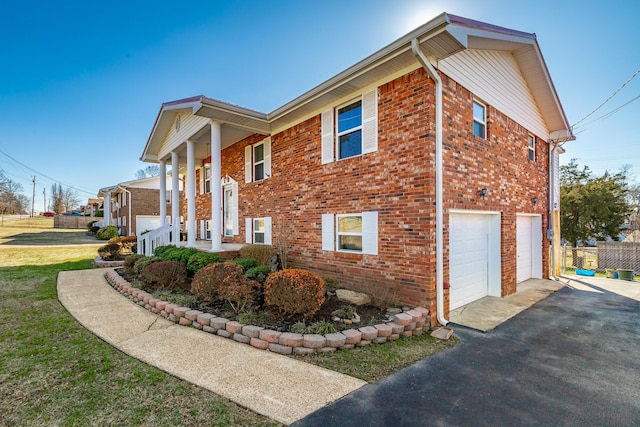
(273, 385)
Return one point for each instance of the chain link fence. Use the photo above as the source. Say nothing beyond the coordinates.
(613, 259)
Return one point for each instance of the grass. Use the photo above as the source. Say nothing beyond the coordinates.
(374, 362)
(54, 372)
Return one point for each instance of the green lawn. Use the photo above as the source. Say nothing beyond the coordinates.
(54, 372)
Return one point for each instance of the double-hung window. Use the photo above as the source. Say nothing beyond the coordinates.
(356, 233)
(479, 120)
(349, 233)
(349, 120)
(532, 148)
(257, 161)
(258, 230)
(351, 129)
(207, 178)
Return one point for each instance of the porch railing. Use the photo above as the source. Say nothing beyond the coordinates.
(148, 242)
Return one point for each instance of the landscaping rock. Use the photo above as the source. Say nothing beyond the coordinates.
(192, 315)
(352, 336)
(242, 338)
(258, 343)
(234, 327)
(281, 349)
(290, 339)
(219, 323)
(442, 333)
(314, 341)
(335, 340)
(369, 333)
(251, 331)
(303, 351)
(269, 335)
(351, 297)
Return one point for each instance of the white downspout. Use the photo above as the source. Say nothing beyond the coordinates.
(433, 74)
(551, 221)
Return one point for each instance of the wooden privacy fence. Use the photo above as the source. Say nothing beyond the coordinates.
(619, 255)
(71, 221)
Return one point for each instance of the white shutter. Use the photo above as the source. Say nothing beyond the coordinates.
(248, 164)
(201, 180)
(267, 230)
(328, 233)
(267, 158)
(327, 137)
(370, 233)
(234, 207)
(248, 228)
(370, 122)
(203, 232)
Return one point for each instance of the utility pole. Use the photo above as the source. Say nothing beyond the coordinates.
(33, 198)
(44, 197)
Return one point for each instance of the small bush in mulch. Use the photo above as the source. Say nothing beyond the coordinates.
(263, 254)
(202, 259)
(166, 274)
(294, 291)
(108, 232)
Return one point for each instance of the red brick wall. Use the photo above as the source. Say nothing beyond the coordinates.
(397, 181)
(144, 201)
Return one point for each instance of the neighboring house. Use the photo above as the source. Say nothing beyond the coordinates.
(133, 206)
(424, 170)
(92, 207)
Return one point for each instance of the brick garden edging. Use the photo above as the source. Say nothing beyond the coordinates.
(100, 263)
(405, 324)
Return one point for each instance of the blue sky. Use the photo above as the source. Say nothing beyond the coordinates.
(81, 83)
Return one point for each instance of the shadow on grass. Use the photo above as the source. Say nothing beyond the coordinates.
(46, 238)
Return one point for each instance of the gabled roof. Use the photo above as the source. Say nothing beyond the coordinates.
(439, 38)
(118, 188)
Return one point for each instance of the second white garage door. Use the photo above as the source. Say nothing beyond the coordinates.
(474, 257)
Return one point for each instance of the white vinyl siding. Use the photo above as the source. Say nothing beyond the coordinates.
(189, 125)
(368, 127)
(495, 77)
(257, 161)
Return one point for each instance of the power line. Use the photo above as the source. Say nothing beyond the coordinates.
(609, 98)
(3, 151)
(604, 116)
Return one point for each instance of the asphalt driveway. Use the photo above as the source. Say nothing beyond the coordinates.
(573, 359)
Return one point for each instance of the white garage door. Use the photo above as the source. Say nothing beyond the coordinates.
(469, 240)
(529, 248)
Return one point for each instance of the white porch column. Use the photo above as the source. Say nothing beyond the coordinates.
(216, 188)
(175, 199)
(106, 209)
(163, 191)
(191, 195)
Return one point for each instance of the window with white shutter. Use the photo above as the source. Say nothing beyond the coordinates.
(356, 232)
(258, 230)
(257, 161)
(355, 126)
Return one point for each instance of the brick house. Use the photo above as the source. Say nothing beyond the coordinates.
(426, 170)
(133, 206)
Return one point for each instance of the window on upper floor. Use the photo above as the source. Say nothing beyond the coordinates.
(479, 120)
(351, 129)
(207, 178)
(257, 161)
(532, 147)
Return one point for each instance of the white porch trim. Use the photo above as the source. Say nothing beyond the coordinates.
(175, 199)
(191, 195)
(163, 191)
(216, 190)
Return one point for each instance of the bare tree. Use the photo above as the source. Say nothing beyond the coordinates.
(148, 172)
(70, 199)
(11, 200)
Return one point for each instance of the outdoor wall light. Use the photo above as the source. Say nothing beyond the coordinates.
(534, 201)
(483, 192)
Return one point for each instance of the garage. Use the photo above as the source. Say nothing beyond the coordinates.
(528, 247)
(474, 256)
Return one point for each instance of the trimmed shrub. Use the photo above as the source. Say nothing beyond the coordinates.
(160, 250)
(224, 281)
(90, 224)
(130, 261)
(128, 243)
(259, 273)
(142, 263)
(200, 260)
(263, 254)
(108, 232)
(187, 253)
(166, 274)
(294, 292)
(110, 251)
(246, 263)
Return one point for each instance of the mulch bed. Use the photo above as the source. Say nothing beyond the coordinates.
(369, 314)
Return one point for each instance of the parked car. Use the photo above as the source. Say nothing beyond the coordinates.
(49, 214)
